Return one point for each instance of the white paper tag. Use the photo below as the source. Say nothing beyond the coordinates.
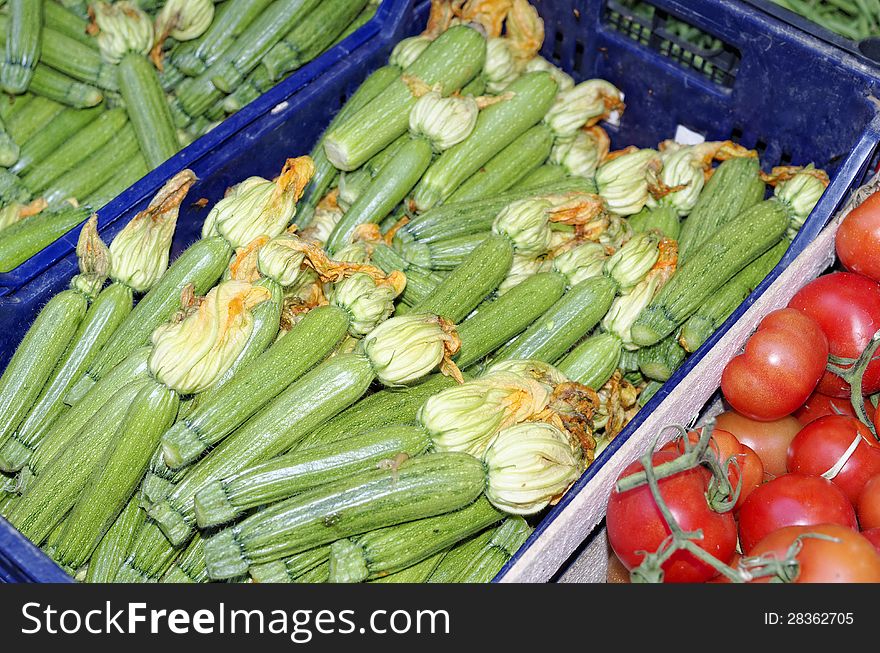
(687, 136)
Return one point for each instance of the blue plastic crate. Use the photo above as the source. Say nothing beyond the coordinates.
(375, 33)
(789, 95)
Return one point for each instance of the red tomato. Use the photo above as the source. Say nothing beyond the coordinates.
(792, 500)
(847, 308)
(873, 536)
(850, 559)
(635, 524)
(868, 505)
(769, 440)
(725, 445)
(858, 238)
(779, 369)
(819, 405)
(822, 443)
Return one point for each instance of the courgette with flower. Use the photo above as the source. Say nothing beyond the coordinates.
(125, 38)
(23, 39)
(187, 358)
(50, 334)
(255, 207)
(622, 179)
(450, 61)
(436, 124)
(138, 258)
(727, 251)
(537, 459)
(399, 351)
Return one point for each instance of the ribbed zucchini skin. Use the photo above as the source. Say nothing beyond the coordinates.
(513, 312)
(42, 144)
(469, 284)
(593, 361)
(497, 126)
(49, 83)
(25, 238)
(567, 321)
(114, 481)
(101, 320)
(201, 264)
(451, 61)
(509, 166)
(387, 406)
(387, 550)
(420, 487)
(291, 356)
(38, 114)
(388, 188)
(659, 361)
(714, 311)
(549, 173)
(306, 404)
(481, 558)
(115, 545)
(23, 40)
(725, 253)
(48, 499)
(417, 573)
(734, 187)
(149, 558)
(287, 475)
(290, 569)
(36, 356)
(442, 254)
(64, 428)
(190, 566)
(68, 23)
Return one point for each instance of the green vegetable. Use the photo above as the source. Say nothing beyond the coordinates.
(61, 20)
(290, 569)
(190, 566)
(442, 254)
(548, 173)
(417, 573)
(51, 137)
(225, 500)
(719, 258)
(419, 488)
(479, 559)
(387, 550)
(593, 361)
(115, 545)
(36, 115)
(662, 218)
(23, 36)
(659, 361)
(29, 236)
(56, 86)
(734, 187)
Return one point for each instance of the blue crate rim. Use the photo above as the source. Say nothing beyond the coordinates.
(387, 15)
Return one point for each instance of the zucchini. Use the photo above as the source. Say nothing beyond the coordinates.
(507, 168)
(479, 559)
(190, 566)
(661, 218)
(506, 317)
(130, 172)
(79, 147)
(9, 149)
(228, 498)
(735, 186)
(147, 109)
(201, 265)
(26, 238)
(659, 361)
(549, 173)
(23, 40)
(572, 317)
(39, 113)
(714, 311)
(36, 357)
(593, 361)
(469, 284)
(49, 83)
(417, 573)
(291, 356)
(307, 403)
(390, 186)
(245, 53)
(58, 434)
(421, 487)
(450, 61)
(387, 550)
(66, 22)
(48, 498)
(442, 254)
(102, 318)
(53, 136)
(150, 557)
(116, 544)
(526, 102)
(388, 406)
(114, 481)
(719, 258)
(289, 569)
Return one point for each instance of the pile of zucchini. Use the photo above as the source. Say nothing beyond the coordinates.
(97, 94)
(385, 364)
